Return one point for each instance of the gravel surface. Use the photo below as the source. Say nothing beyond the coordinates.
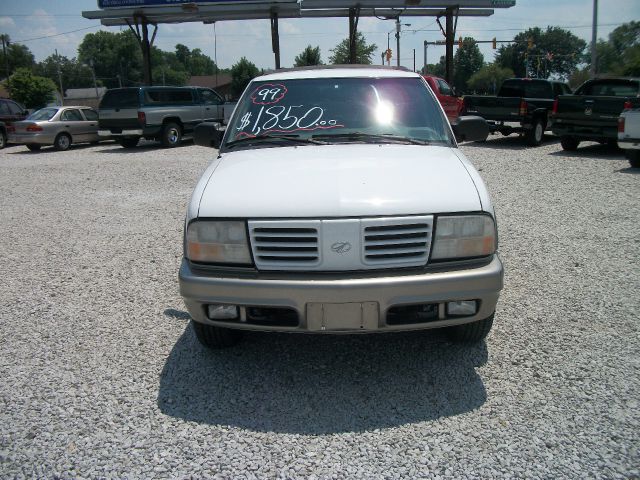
(101, 374)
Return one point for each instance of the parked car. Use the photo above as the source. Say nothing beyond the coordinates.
(339, 202)
(592, 112)
(158, 113)
(629, 135)
(521, 106)
(57, 126)
(451, 103)
(10, 112)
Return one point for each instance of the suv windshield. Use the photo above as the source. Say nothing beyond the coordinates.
(43, 114)
(338, 110)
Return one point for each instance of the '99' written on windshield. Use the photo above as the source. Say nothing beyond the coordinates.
(270, 117)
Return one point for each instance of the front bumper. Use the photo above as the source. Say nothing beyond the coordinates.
(373, 296)
(30, 138)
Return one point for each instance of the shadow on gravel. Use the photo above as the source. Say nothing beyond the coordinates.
(23, 150)
(629, 171)
(593, 150)
(142, 147)
(512, 142)
(321, 384)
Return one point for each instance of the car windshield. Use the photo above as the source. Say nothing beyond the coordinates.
(337, 110)
(43, 114)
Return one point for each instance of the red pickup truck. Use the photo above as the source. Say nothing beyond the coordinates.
(451, 104)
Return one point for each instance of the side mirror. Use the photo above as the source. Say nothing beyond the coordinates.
(206, 134)
(470, 129)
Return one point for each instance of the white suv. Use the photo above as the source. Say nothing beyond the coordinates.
(339, 202)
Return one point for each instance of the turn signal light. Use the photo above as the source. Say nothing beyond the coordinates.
(621, 125)
(34, 128)
(523, 108)
(627, 105)
(142, 118)
(555, 107)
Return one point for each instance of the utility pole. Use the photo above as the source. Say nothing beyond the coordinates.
(93, 74)
(426, 46)
(5, 44)
(594, 39)
(414, 59)
(398, 27)
(60, 79)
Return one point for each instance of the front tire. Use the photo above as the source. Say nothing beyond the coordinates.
(471, 332)
(34, 147)
(129, 142)
(171, 135)
(216, 337)
(634, 157)
(62, 142)
(3, 139)
(569, 144)
(534, 136)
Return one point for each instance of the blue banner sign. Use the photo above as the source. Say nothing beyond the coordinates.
(155, 3)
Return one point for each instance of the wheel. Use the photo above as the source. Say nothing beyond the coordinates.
(534, 136)
(634, 157)
(569, 143)
(129, 142)
(471, 332)
(3, 139)
(34, 147)
(171, 135)
(216, 337)
(62, 142)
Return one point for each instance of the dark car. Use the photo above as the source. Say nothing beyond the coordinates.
(10, 112)
(521, 106)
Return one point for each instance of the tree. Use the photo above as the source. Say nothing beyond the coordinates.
(113, 54)
(74, 74)
(241, 74)
(489, 78)
(18, 56)
(467, 61)
(617, 55)
(309, 56)
(554, 52)
(363, 51)
(29, 89)
(578, 77)
(194, 61)
(435, 69)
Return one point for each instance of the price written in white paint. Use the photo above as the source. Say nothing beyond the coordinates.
(280, 118)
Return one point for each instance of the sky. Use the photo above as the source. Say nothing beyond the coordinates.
(47, 25)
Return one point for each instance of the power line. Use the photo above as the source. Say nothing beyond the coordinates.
(55, 34)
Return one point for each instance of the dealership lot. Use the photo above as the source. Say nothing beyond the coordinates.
(101, 374)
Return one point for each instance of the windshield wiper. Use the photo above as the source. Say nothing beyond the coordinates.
(371, 138)
(277, 139)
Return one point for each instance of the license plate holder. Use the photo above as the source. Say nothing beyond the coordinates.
(336, 317)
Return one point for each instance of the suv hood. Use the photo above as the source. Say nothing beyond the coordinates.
(339, 181)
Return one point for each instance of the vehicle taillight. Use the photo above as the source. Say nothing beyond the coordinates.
(523, 108)
(142, 118)
(627, 105)
(621, 125)
(33, 128)
(555, 107)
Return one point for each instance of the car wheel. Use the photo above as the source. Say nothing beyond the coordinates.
(34, 147)
(171, 135)
(3, 139)
(634, 157)
(216, 337)
(129, 142)
(471, 332)
(62, 142)
(534, 136)
(569, 143)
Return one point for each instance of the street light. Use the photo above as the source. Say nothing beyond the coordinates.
(397, 30)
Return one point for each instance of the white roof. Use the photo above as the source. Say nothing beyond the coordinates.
(341, 72)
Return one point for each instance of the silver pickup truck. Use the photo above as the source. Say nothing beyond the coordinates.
(159, 113)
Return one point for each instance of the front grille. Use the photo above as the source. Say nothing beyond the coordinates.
(396, 241)
(292, 245)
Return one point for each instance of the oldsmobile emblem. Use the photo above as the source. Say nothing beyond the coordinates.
(341, 247)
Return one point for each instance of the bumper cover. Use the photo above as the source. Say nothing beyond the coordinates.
(629, 144)
(31, 138)
(375, 294)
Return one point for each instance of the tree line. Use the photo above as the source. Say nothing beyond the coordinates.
(114, 59)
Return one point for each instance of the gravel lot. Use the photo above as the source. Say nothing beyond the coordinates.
(101, 374)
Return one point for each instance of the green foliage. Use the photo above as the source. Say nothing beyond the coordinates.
(435, 69)
(113, 54)
(309, 56)
(241, 74)
(488, 79)
(18, 56)
(566, 50)
(619, 54)
(29, 89)
(466, 61)
(578, 77)
(364, 51)
(194, 61)
(74, 74)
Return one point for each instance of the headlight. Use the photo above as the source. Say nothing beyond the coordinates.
(217, 242)
(464, 236)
